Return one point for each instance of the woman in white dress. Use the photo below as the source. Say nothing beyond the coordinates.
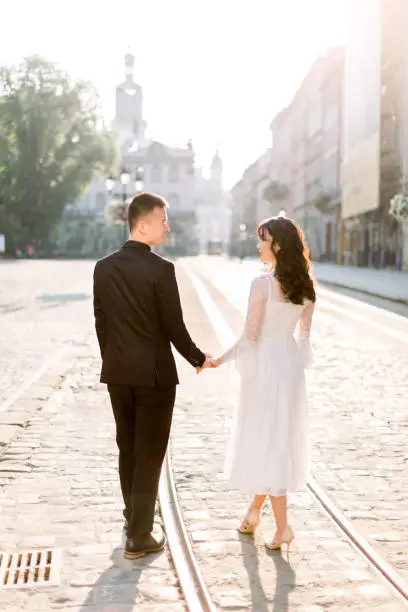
(268, 451)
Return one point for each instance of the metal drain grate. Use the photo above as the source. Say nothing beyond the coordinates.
(29, 568)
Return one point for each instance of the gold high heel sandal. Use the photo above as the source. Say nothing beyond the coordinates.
(251, 521)
(286, 538)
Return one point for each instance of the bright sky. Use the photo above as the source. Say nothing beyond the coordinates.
(213, 70)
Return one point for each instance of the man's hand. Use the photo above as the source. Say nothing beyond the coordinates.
(209, 362)
(206, 363)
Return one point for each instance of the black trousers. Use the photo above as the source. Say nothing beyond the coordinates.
(143, 419)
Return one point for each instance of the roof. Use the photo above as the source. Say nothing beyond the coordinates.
(158, 150)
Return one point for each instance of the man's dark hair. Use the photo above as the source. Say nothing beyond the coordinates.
(143, 204)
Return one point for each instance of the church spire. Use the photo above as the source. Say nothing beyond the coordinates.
(216, 164)
(216, 167)
(129, 66)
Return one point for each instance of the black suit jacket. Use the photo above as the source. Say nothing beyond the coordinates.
(137, 315)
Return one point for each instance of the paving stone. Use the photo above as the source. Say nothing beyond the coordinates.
(13, 418)
(7, 434)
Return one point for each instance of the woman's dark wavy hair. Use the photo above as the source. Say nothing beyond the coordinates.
(292, 268)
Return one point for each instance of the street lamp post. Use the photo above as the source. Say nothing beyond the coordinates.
(242, 239)
(139, 180)
(124, 179)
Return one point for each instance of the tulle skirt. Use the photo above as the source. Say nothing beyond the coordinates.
(268, 450)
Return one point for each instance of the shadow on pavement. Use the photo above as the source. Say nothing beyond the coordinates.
(62, 298)
(9, 308)
(118, 584)
(259, 599)
(285, 579)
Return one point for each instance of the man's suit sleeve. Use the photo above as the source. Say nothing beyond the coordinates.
(100, 320)
(172, 317)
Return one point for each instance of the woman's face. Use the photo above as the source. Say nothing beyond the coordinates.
(265, 250)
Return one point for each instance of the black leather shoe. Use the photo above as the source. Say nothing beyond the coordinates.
(134, 549)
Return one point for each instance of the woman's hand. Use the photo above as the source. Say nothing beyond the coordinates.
(215, 363)
(209, 363)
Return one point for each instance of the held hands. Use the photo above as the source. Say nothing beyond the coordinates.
(215, 363)
(209, 362)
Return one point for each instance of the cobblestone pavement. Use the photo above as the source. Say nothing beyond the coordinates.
(44, 306)
(59, 487)
(62, 490)
(358, 391)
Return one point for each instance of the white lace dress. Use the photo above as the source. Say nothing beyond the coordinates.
(268, 452)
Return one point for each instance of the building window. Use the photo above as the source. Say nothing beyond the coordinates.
(156, 174)
(173, 174)
(173, 200)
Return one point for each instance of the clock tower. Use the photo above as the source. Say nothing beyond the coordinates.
(216, 171)
(129, 107)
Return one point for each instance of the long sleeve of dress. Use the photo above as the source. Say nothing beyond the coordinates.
(253, 321)
(305, 325)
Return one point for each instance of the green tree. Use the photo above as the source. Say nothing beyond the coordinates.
(323, 201)
(276, 192)
(51, 144)
(390, 185)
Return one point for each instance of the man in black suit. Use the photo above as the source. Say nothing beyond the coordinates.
(138, 316)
